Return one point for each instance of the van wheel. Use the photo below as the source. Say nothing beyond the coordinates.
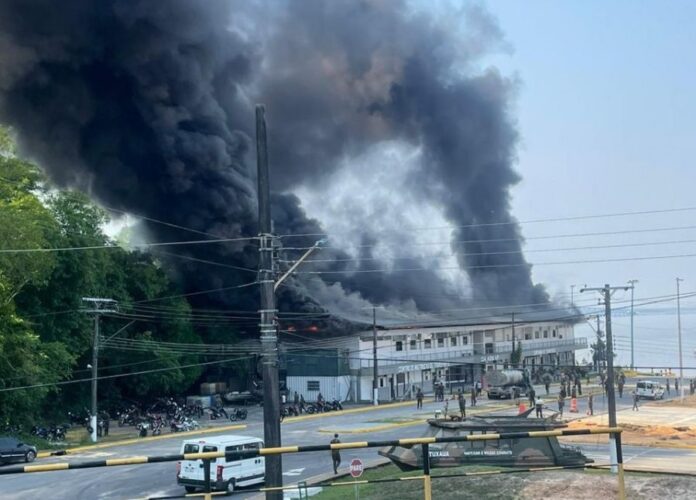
(190, 489)
(30, 456)
(230, 486)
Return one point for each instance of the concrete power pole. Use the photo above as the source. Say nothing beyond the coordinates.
(269, 338)
(633, 285)
(614, 439)
(98, 306)
(375, 371)
(681, 360)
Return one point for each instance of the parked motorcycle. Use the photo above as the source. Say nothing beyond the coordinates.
(238, 414)
(184, 425)
(334, 405)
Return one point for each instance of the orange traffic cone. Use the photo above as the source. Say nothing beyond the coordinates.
(573, 405)
(522, 408)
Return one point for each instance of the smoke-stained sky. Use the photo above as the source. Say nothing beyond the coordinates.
(148, 106)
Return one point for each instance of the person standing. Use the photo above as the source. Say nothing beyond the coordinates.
(532, 396)
(578, 383)
(419, 399)
(636, 398)
(547, 386)
(473, 395)
(621, 386)
(667, 385)
(573, 392)
(676, 386)
(336, 454)
(462, 404)
(539, 405)
(590, 404)
(561, 404)
(302, 403)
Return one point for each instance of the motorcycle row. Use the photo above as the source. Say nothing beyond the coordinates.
(295, 409)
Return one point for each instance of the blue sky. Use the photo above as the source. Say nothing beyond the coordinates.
(606, 108)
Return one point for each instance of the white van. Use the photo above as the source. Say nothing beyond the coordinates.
(649, 389)
(224, 475)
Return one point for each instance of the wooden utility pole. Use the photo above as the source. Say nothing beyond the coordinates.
(269, 338)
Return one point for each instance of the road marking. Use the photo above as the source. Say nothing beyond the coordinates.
(294, 472)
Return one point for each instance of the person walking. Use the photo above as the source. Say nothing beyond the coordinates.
(419, 399)
(578, 383)
(561, 404)
(590, 404)
(462, 404)
(473, 395)
(621, 386)
(636, 398)
(547, 386)
(302, 404)
(532, 396)
(336, 454)
(539, 405)
(667, 386)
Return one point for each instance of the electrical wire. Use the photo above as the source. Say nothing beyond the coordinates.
(532, 221)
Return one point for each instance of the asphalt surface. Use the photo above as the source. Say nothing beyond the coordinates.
(139, 481)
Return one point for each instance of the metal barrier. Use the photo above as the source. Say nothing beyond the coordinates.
(423, 441)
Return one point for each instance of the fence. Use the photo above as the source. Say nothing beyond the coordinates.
(206, 457)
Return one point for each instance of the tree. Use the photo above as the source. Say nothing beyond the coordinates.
(516, 355)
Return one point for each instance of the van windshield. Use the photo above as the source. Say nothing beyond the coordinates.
(641, 385)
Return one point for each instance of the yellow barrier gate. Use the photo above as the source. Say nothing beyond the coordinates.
(423, 441)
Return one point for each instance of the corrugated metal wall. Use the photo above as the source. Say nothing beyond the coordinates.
(330, 387)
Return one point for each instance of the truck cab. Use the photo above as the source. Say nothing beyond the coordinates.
(224, 475)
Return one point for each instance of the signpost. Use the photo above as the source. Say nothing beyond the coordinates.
(356, 470)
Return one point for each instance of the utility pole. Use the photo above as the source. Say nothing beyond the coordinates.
(269, 338)
(614, 440)
(513, 339)
(633, 285)
(572, 288)
(375, 390)
(98, 306)
(681, 361)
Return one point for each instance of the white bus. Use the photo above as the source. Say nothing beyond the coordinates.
(224, 475)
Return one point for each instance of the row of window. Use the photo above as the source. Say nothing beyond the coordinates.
(428, 343)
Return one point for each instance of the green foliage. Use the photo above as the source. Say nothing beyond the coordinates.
(516, 355)
(45, 337)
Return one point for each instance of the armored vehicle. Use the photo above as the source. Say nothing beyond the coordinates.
(520, 452)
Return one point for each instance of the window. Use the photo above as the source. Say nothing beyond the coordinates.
(427, 344)
(232, 453)
(413, 345)
(536, 335)
(453, 341)
(209, 448)
(312, 385)
(441, 342)
(554, 332)
(465, 340)
(399, 345)
(528, 336)
(252, 446)
(190, 448)
(546, 334)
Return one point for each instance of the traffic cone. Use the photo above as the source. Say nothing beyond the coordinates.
(522, 408)
(573, 405)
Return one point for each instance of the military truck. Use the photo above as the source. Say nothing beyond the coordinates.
(508, 384)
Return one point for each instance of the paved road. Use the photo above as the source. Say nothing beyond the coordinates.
(159, 479)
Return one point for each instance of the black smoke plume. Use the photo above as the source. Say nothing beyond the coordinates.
(148, 106)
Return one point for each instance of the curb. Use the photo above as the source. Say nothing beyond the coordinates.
(376, 428)
(111, 444)
(362, 409)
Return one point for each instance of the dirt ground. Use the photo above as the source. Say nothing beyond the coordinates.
(675, 436)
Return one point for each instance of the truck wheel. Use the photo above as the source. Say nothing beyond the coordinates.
(190, 489)
(230, 486)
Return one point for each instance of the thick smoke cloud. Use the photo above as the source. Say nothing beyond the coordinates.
(148, 106)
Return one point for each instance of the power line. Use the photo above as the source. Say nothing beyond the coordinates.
(120, 375)
(532, 221)
(205, 261)
(513, 252)
(520, 239)
(136, 245)
(497, 266)
(150, 219)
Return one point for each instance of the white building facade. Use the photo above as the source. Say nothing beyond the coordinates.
(414, 357)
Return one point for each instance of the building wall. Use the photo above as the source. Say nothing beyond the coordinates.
(330, 387)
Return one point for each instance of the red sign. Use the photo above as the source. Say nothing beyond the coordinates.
(356, 467)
